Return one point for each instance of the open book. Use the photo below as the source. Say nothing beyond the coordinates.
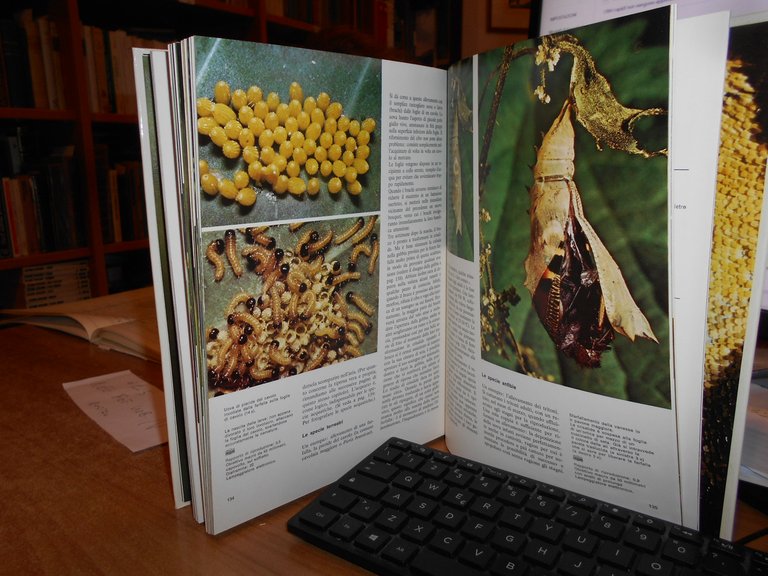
(350, 249)
(124, 322)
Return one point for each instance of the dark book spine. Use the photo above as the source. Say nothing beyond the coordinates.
(16, 63)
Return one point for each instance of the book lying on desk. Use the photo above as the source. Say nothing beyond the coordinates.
(349, 249)
(124, 322)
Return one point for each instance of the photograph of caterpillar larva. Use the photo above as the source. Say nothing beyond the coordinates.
(287, 299)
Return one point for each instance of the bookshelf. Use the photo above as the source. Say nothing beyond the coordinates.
(69, 151)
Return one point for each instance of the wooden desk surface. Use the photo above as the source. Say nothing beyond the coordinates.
(75, 501)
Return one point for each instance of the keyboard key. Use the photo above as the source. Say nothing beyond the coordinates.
(379, 470)
(365, 510)
(547, 530)
(418, 531)
(508, 566)
(430, 563)
(364, 486)
(399, 551)
(422, 507)
(574, 565)
(476, 555)
(508, 540)
(542, 553)
(346, 528)
(391, 520)
(446, 542)
(318, 516)
(372, 539)
(337, 499)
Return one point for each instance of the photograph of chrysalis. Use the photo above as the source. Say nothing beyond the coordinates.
(286, 299)
(285, 133)
(574, 211)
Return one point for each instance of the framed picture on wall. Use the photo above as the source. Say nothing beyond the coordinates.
(509, 15)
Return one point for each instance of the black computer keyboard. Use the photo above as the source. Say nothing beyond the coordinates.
(411, 509)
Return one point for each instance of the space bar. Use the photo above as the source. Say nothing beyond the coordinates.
(430, 563)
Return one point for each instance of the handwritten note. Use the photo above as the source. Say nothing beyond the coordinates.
(128, 408)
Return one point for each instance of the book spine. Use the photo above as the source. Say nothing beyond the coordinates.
(46, 50)
(16, 64)
(34, 49)
(89, 54)
(6, 250)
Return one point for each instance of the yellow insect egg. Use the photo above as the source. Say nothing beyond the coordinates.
(256, 125)
(221, 92)
(354, 127)
(350, 175)
(295, 91)
(348, 157)
(293, 169)
(313, 186)
(239, 99)
(350, 144)
(313, 131)
(362, 151)
(260, 109)
(244, 114)
(204, 106)
(270, 173)
(246, 138)
(272, 99)
(223, 113)
(254, 94)
(312, 166)
(303, 120)
(202, 166)
(280, 134)
(281, 185)
(280, 162)
(309, 104)
(309, 147)
(300, 156)
(291, 125)
(330, 125)
(297, 186)
(369, 125)
(354, 188)
(254, 170)
(326, 140)
(321, 154)
(267, 155)
(339, 168)
(326, 167)
(250, 154)
(231, 149)
(246, 196)
(271, 121)
(282, 112)
(360, 165)
(209, 184)
(363, 138)
(286, 149)
(297, 139)
(294, 107)
(334, 152)
(334, 110)
(339, 137)
(232, 129)
(241, 179)
(323, 100)
(266, 138)
(218, 136)
(317, 115)
(334, 185)
(205, 124)
(342, 123)
(227, 188)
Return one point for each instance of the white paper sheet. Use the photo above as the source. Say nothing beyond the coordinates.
(128, 408)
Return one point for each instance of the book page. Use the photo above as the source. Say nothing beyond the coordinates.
(559, 314)
(316, 195)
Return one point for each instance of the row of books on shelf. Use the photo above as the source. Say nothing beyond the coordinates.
(121, 199)
(295, 9)
(38, 210)
(109, 68)
(31, 62)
